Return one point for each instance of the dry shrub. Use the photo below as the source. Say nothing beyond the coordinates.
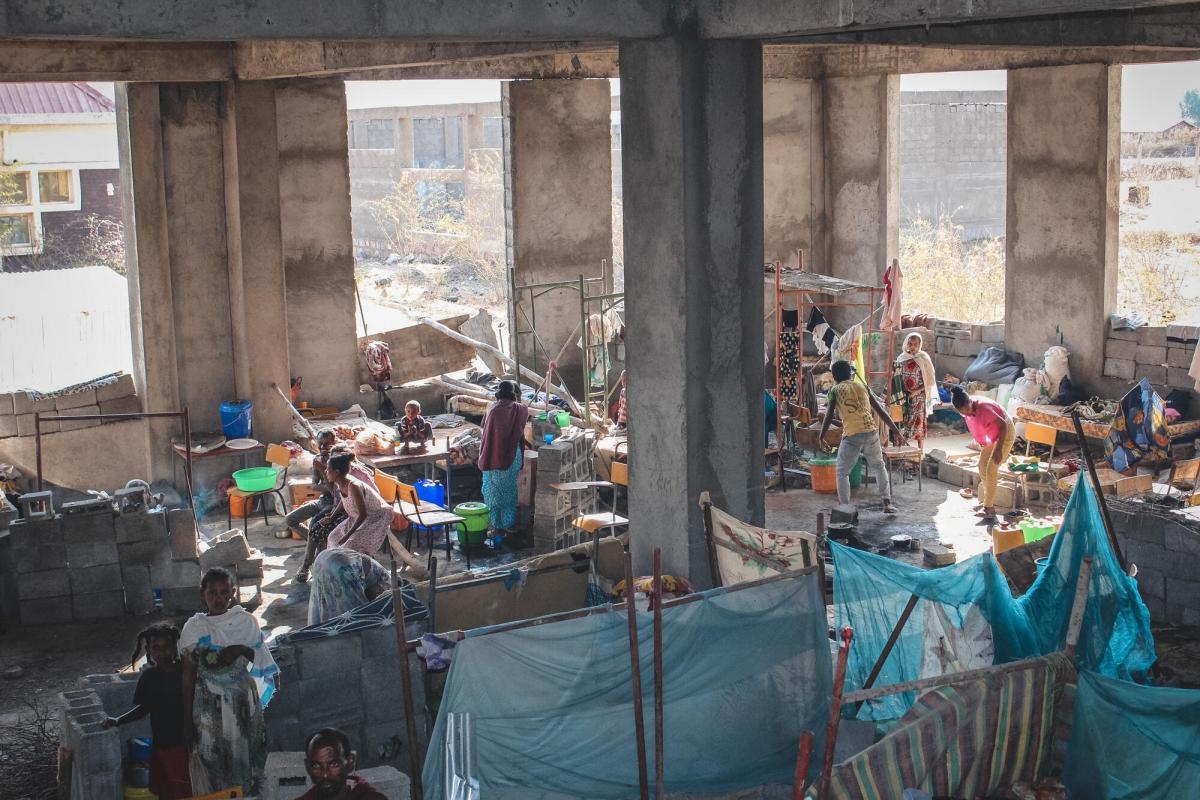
(1157, 171)
(949, 277)
(29, 756)
(1152, 275)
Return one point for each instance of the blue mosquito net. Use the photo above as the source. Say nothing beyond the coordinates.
(549, 708)
(973, 602)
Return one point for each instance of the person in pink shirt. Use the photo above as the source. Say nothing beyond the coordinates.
(994, 431)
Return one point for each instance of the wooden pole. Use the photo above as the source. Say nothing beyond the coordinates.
(635, 666)
(659, 780)
(887, 647)
(1082, 585)
(187, 456)
(835, 712)
(713, 566)
(803, 758)
(410, 722)
(1091, 468)
(296, 415)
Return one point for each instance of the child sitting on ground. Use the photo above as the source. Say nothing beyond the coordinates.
(228, 678)
(159, 693)
(412, 428)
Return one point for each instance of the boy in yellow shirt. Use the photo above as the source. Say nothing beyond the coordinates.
(858, 408)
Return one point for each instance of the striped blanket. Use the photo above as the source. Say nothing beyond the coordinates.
(970, 739)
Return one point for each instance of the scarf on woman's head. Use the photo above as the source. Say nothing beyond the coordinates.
(925, 365)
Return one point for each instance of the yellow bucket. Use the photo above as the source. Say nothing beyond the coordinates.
(1006, 539)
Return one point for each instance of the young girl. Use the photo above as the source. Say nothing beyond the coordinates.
(228, 678)
(159, 693)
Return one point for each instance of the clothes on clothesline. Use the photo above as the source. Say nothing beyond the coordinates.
(893, 287)
(823, 335)
(789, 364)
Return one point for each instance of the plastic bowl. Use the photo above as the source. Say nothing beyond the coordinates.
(255, 479)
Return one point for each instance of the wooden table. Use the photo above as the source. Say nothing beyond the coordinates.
(220, 452)
(435, 451)
(1055, 418)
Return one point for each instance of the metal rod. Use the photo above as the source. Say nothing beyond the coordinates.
(635, 666)
(803, 758)
(714, 567)
(887, 647)
(37, 443)
(431, 603)
(410, 722)
(820, 555)
(659, 780)
(1082, 585)
(1091, 468)
(835, 712)
(187, 458)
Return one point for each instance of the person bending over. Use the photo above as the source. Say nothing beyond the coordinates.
(994, 431)
(857, 407)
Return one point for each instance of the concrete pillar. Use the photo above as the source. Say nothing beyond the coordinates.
(148, 258)
(862, 142)
(314, 208)
(691, 115)
(258, 298)
(793, 172)
(558, 167)
(1062, 226)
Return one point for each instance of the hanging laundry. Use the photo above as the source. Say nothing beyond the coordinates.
(823, 335)
(849, 347)
(789, 363)
(379, 362)
(893, 283)
(601, 329)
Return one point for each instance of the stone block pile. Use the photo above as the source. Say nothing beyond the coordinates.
(314, 692)
(1161, 354)
(114, 396)
(1165, 546)
(95, 752)
(566, 459)
(231, 551)
(101, 564)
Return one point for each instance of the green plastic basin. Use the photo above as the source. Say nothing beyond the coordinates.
(255, 479)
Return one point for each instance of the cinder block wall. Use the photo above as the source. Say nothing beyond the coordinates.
(1165, 549)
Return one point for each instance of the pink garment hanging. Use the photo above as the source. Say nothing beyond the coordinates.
(893, 283)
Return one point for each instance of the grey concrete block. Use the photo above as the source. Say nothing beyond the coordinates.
(144, 554)
(379, 641)
(225, 551)
(1191, 616)
(24, 404)
(944, 344)
(8, 426)
(96, 749)
(388, 781)
(285, 776)
(991, 334)
(40, 557)
(1121, 348)
(332, 701)
(82, 399)
(250, 571)
(121, 387)
(46, 610)
(1152, 372)
(139, 594)
(1157, 608)
(1182, 539)
(1126, 335)
(31, 532)
(386, 743)
(1183, 334)
(182, 601)
(1152, 336)
(47, 583)
(1173, 613)
(98, 605)
(6, 404)
(26, 427)
(90, 540)
(1183, 592)
(181, 522)
(1119, 368)
(1151, 355)
(177, 574)
(320, 657)
(103, 578)
(74, 425)
(381, 686)
(965, 347)
(284, 733)
(1179, 357)
(1151, 582)
(1179, 378)
(141, 526)
(122, 405)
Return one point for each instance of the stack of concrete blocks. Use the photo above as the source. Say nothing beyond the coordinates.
(565, 460)
(963, 471)
(17, 409)
(231, 551)
(1160, 354)
(98, 565)
(351, 681)
(1165, 545)
(94, 750)
(286, 778)
(957, 344)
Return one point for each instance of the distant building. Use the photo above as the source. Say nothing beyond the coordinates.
(1176, 141)
(58, 166)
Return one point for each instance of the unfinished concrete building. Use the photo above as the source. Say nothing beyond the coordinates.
(750, 130)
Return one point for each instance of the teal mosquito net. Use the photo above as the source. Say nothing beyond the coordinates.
(1131, 742)
(548, 709)
(966, 616)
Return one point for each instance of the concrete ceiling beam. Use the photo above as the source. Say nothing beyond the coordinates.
(407, 20)
(1173, 27)
(771, 19)
(115, 61)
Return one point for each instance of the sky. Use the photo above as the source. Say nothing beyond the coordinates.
(1150, 93)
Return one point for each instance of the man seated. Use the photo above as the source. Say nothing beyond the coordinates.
(412, 429)
(314, 510)
(330, 761)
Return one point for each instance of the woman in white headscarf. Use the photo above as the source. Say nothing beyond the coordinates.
(914, 388)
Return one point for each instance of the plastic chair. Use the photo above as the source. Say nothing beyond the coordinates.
(1036, 433)
(279, 457)
(601, 521)
(430, 517)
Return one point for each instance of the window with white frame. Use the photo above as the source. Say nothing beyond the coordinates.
(24, 196)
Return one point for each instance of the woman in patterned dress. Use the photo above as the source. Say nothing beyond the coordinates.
(914, 388)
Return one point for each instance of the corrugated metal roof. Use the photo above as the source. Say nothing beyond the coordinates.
(52, 98)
